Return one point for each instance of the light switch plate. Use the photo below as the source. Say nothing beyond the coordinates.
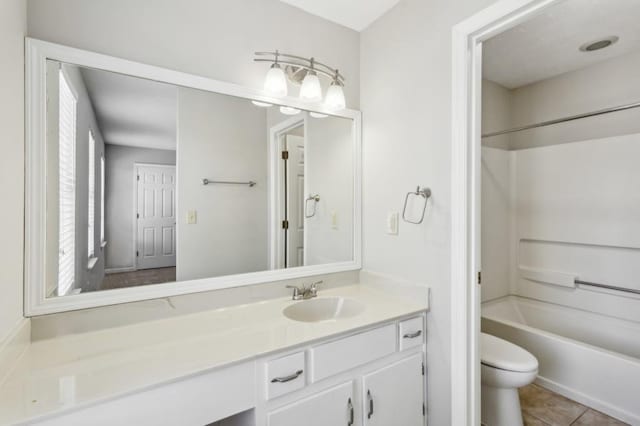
(392, 223)
(192, 217)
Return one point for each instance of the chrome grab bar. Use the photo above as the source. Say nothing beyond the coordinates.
(287, 378)
(206, 181)
(607, 286)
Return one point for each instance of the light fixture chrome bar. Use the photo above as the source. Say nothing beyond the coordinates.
(607, 286)
(206, 181)
(317, 66)
(564, 119)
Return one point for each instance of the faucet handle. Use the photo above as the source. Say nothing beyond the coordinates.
(314, 287)
(297, 291)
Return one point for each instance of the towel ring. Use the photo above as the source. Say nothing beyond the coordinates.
(315, 199)
(419, 192)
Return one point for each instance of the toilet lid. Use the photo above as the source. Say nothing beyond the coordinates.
(505, 355)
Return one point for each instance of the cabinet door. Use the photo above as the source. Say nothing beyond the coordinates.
(332, 407)
(394, 394)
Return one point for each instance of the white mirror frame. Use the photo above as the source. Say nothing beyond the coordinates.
(36, 302)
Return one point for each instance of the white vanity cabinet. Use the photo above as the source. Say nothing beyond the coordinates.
(370, 377)
(334, 406)
(374, 377)
(394, 395)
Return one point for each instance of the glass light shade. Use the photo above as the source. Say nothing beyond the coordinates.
(311, 91)
(275, 83)
(318, 115)
(286, 110)
(335, 97)
(261, 104)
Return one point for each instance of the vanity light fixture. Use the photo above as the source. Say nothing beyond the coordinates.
(304, 72)
(287, 110)
(262, 104)
(275, 83)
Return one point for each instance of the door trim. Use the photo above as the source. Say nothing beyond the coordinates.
(467, 39)
(136, 166)
(276, 171)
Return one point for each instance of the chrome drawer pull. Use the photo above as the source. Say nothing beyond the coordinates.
(413, 335)
(287, 378)
(350, 408)
(370, 413)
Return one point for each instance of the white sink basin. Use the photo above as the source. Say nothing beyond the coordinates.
(323, 309)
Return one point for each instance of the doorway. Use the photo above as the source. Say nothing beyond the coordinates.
(155, 216)
(287, 195)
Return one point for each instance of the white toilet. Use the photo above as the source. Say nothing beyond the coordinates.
(505, 368)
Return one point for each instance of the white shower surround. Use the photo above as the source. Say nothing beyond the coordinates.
(569, 345)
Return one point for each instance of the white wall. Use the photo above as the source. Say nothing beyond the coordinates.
(577, 210)
(215, 39)
(221, 138)
(574, 206)
(13, 24)
(85, 279)
(496, 216)
(406, 105)
(606, 84)
(119, 199)
(329, 173)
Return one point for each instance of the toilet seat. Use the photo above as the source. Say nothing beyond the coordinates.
(498, 353)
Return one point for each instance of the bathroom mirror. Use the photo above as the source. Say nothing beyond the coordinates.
(147, 183)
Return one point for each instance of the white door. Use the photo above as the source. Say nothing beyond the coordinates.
(156, 216)
(394, 395)
(295, 200)
(333, 407)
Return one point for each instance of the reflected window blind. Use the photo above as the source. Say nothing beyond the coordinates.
(102, 199)
(66, 185)
(92, 197)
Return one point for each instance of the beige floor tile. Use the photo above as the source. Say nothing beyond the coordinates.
(549, 407)
(529, 420)
(596, 418)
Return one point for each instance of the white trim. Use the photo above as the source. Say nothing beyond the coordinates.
(36, 302)
(118, 270)
(275, 168)
(465, 198)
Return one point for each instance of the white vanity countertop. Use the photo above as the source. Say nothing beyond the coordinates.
(77, 370)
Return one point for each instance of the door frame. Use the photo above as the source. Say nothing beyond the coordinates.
(467, 39)
(136, 165)
(276, 172)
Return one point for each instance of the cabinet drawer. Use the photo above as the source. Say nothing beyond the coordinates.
(411, 333)
(344, 354)
(285, 375)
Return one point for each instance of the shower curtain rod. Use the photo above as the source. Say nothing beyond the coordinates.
(564, 119)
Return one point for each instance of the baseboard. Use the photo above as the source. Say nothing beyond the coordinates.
(117, 270)
(14, 346)
(596, 404)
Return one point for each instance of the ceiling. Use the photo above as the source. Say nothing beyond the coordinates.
(548, 45)
(354, 14)
(133, 111)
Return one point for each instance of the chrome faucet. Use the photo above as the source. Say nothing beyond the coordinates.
(304, 292)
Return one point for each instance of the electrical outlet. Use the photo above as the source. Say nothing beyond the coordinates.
(192, 217)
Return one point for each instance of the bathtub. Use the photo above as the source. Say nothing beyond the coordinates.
(570, 346)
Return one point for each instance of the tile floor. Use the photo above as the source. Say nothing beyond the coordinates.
(136, 278)
(541, 407)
